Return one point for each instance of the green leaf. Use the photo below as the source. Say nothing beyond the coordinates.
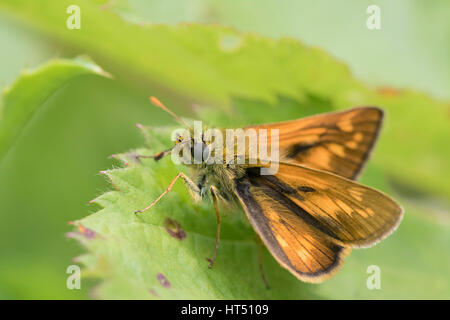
(217, 66)
(31, 90)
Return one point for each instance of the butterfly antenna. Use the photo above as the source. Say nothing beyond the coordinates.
(155, 101)
(157, 156)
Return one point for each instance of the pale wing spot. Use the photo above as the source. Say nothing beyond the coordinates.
(352, 144)
(362, 212)
(303, 256)
(337, 149)
(356, 193)
(323, 156)
(282, 242)
(311, 139)
(344, 206)
(370, 211)
(346, 126)
(355, 190)
(329, 207)
(357, 196)
(308, 260)
(358, 136)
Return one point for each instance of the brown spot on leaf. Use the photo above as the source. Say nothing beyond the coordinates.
(86, 232)
(173, 227)
(163, 280)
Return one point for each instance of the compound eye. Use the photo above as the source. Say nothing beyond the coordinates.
(179, 140)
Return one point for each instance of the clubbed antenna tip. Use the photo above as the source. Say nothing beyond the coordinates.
(155, 101)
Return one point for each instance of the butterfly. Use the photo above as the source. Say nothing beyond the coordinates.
(310, 213)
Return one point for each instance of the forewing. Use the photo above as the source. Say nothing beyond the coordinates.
(338, 142)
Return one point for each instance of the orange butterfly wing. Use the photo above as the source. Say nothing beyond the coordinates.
(337, 142)
(310, 219)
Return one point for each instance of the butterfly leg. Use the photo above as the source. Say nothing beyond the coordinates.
(191, 185)
(261, 270)
(213, 191)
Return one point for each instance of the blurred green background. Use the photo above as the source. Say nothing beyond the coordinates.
(49, 174)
